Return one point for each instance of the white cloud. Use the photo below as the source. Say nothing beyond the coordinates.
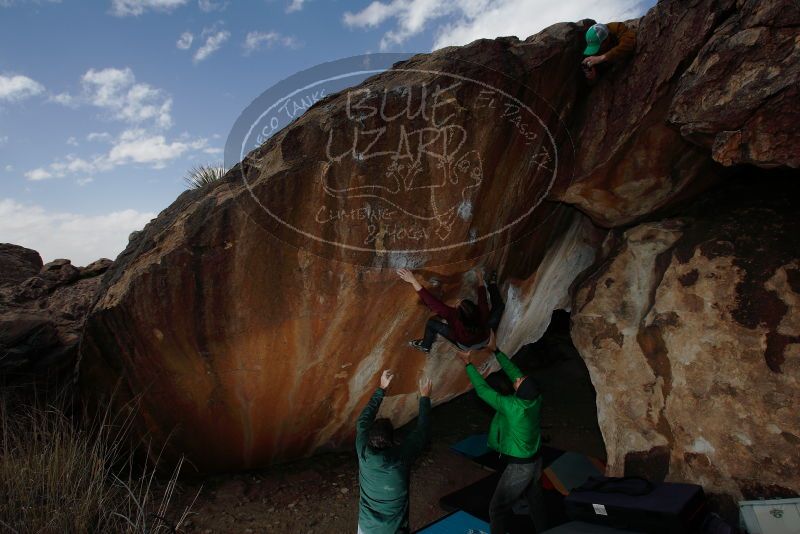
(137, 146)
(213, 43)
(9, 3)
(295, 5)
(38, 174)
(210, 5)
(98, 136)
(116, 91)
(17, 87)
(374, 14)
(132, 147)
(74, 164)
(9, 168)
(468, 20)
(124, 8)
(256, 40)
(213, 150)
(146, 112)
(65, 99)
(81, 238)
(70, 165)
(84, 181)
(3, 139)
(185, 41)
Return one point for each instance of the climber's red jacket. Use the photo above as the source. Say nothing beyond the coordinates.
(450, 314)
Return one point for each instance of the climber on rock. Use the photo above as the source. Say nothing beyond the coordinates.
(606, 44)
(384, 466)
(467, 325)
(514, 433)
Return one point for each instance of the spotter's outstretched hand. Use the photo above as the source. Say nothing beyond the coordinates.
(386, 378)
(465, 356)
(425, 386)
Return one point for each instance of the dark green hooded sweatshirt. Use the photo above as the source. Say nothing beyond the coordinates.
(383, 474)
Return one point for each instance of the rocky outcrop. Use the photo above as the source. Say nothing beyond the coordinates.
(262, 309)
(740, 97)
(724, 73)
(17, 264)
(691, 333)
(42, 310)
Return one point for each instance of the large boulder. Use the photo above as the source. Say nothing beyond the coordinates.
(691, 333)
(266, 333)
(261, 309)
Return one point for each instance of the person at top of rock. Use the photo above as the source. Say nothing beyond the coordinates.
(384, 466)
(468, 324)
(607, 44)
(515, 433)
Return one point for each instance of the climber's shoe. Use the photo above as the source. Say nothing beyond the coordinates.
(417, 344)
(492, 277)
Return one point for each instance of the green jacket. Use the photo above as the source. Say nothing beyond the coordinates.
(383, 475)
(515, 427)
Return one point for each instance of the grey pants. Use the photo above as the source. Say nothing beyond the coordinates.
(518, 481)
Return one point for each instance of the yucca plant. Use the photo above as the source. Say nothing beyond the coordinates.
(203, 175)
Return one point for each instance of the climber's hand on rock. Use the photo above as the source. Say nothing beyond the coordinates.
(591, 61)
(406, 276)
(386, 378)
(425, 386)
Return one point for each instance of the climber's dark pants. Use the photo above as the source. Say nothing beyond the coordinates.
(497, 309)
(517, 481)
(433, 328)
(436, 327)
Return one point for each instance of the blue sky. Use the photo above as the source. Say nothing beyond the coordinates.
(105, 104)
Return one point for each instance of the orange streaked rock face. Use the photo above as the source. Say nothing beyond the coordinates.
(253, 318)
(275, 359)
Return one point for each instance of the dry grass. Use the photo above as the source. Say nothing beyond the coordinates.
(57, 476)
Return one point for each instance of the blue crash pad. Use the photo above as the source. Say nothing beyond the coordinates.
(459, 522)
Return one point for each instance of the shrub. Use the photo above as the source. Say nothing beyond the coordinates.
(203, 175)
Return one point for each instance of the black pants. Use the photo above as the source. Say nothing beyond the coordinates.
(518, 481)
(436, 327)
